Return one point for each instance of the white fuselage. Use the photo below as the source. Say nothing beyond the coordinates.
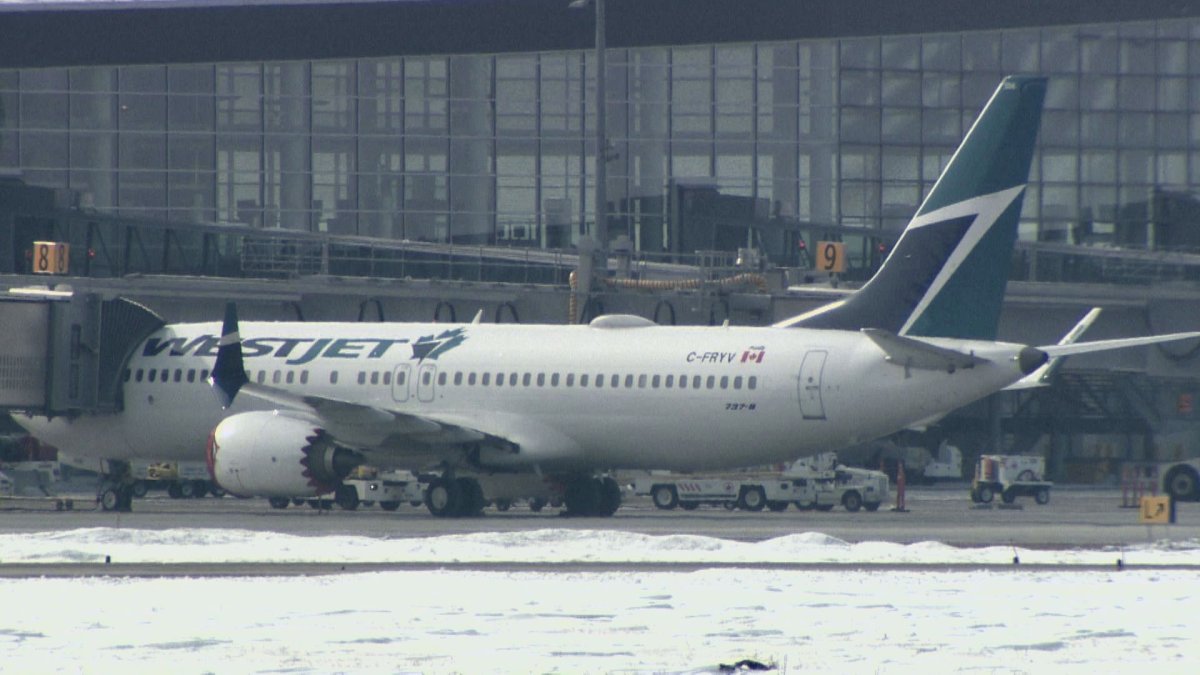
(569, 397)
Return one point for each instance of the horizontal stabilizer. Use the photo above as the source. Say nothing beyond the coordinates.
(1105, 345)
(1042, 376)
(914, 353)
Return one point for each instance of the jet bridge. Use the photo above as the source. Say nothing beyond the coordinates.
(63, 353)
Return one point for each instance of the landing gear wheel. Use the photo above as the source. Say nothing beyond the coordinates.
(610, 497)
(664, 496)
(278, 502)
(852, 501)
(583, 496)
(443, 497)
(472, 501)
(752, 499)
(346, 497)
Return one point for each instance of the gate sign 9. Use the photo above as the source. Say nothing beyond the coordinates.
(51, 257)
(831, 256)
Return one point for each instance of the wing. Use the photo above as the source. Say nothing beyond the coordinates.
(1042, 376)
(372, 429)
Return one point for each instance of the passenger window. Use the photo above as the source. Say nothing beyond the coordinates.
(654, 381)
(724, 381)
(683, 381)
(426, 378)
(387, 377)
(333, 375)
(669, 383)
(458, 379)
(712, 381)
(442, 379)
(138, 377)
(571, 380)
(525, 380)
(401, 377)
(583, 380)
(291, 376)
(362, 377)
(737, 382)
(696, 382)
(615, 381)
(629, 381)
(499, 379)
(204, 375)
(554, 380)
(375, 377)
(541, 379)
(179, 374)
(642, 381)
(276, 377)
(752, 383)
(153, 374)
(304, 377)
(471, 379)
(486, 379)
(512, 379)
(191, 376)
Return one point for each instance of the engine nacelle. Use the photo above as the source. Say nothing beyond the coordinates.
(273, 454)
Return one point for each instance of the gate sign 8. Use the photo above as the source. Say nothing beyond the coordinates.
(51, 257)
(831, 256)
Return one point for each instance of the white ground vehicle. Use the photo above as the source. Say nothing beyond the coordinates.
(1010, 476)
(946, 466)
(818, 483)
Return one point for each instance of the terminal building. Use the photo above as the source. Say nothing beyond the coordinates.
(425, 158)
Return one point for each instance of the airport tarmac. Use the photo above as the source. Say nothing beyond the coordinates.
(1074, 518)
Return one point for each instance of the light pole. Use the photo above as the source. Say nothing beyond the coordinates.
(601, 172)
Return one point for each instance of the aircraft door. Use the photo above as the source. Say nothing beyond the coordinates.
(426, 382)
(811, 371)
(400, 380)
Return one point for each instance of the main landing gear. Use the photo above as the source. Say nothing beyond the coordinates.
(115, 492)
(450, 497)
(588, 496)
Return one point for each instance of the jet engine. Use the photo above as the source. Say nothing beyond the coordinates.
(274, 454)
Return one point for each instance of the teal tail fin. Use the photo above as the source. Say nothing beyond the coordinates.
(946, 275)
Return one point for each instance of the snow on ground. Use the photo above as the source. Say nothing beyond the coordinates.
(993, 620)
(546, 545)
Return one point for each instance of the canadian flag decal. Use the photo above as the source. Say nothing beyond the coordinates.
(754, 355)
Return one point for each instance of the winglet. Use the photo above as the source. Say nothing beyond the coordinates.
(1043, 375)
(229, 372)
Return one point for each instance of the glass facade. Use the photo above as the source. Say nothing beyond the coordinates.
(498, 149)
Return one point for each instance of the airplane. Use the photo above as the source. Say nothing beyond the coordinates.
(302, 404)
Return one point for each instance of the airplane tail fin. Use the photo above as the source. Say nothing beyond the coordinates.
(946, 275)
